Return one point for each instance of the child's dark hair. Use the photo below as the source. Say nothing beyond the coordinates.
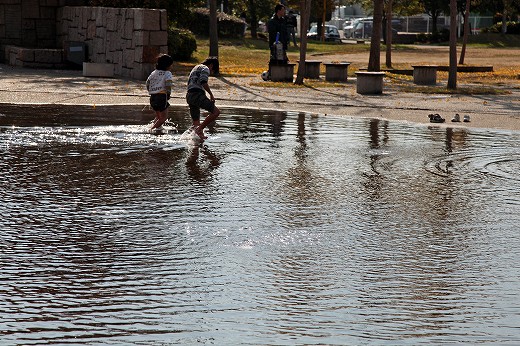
(163, 62)
(212, 60)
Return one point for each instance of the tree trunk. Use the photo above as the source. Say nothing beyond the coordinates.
(254, 19)
(374, 61)
(435, 16)
(323, 20)
(466, 33)
(389, 34)
(305, 10)
(452, 74)
(213, 30)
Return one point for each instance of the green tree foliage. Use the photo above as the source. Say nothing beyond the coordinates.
(262, 9)
(399, 7)
(181, 43)
(435, 8)
(198, 22)
(496, 7)
(406, 7)
(513, 28)
(254, 11)
(316, 14)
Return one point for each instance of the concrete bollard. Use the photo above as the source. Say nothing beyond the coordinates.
(369, 82)
(336, 71)
(312, 69)
(282, 73)
(425, 74)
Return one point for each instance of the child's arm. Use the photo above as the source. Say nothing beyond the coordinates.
(168, 86)
(207, 88)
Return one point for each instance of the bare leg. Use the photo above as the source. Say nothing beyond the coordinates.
(195, 124)
(160, 119)
(209, 119)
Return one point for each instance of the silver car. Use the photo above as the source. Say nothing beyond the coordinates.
(331, 33)
(349, 30)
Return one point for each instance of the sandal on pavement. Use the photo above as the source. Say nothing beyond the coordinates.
(436, 118)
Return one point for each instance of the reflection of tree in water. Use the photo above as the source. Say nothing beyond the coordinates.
(375, 178)
(302, 186)
(278, 122)
(411, 249)
(454, 138)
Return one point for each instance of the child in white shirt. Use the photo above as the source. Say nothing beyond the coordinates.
(159, 86)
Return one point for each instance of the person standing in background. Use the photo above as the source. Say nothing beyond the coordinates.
(292, 24)
(277, 28)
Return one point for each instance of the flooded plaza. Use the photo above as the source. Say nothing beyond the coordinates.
(282, 229)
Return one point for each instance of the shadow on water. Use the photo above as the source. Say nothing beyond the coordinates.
(281, 228)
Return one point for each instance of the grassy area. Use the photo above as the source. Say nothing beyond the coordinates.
(250, 57)
(486, 82)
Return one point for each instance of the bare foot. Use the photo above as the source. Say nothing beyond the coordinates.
(200, 133)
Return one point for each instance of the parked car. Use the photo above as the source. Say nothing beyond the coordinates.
(331, 33)
(363, 28)
(350, 26)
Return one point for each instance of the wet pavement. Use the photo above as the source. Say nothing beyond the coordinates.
(22, 86)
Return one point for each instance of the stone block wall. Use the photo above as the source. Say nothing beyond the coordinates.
(28, 23)
(129, 38)
(33, 57)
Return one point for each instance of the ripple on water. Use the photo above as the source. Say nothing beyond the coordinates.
(283, 228)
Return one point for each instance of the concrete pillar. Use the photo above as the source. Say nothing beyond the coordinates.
(369, 82)
(425, 74)
(336, 71)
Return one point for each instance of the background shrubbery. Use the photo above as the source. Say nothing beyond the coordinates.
(181, 43)
(442, 35)
(512, 28)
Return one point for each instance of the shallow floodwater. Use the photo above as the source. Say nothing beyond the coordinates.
(283, 228)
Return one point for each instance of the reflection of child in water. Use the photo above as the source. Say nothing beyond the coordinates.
(159, 86)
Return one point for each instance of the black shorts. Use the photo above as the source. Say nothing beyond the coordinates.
(197, 100)
(159, 102)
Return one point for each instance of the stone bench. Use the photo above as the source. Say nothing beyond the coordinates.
(336, 71)
(283, 72)
(312, 69)
(425, 74)
(369, 82)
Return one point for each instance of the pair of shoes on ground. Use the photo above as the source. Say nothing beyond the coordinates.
(456, 118)
(436, 118)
